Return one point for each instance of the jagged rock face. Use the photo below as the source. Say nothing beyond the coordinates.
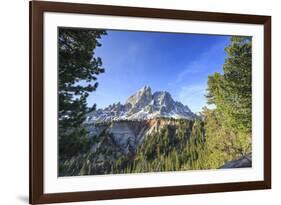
(130, 133)
(125, 133)
(140, 99)
(143, 105)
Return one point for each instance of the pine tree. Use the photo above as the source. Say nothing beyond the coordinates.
(77, 72)
(231, 92)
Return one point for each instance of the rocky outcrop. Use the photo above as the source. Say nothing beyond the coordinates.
(242, 162)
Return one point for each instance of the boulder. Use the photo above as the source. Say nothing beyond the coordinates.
(242, 162)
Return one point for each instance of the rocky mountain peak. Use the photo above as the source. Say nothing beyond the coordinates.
(141, 97)
(146, 88)
(141, 106)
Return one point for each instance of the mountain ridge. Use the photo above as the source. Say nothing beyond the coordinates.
(143, 105)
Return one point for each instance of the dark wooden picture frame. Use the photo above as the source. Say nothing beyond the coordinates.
(37, 9)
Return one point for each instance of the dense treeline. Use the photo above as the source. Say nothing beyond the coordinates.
(171, 148)
(167, 149)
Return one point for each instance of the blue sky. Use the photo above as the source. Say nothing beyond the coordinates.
(177, 63)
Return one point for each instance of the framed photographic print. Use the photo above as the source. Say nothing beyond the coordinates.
(138, 102)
